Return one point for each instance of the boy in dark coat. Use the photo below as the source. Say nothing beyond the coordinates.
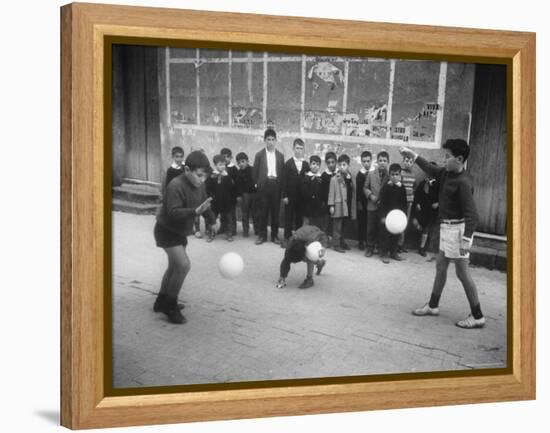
(393, 195)
(221, 188)
(314, 203)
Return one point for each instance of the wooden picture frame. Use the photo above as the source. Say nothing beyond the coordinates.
(86, 32)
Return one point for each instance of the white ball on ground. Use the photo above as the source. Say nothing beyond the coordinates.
(315, 251)
(396, 221)
(231, 265)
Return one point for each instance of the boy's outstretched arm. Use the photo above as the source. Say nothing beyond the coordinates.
(426, 167)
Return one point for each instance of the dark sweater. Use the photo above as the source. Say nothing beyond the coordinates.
(222, 190)
(392, 197)
(314, 203)
(244, 182)
(177, 212)
(456, 195)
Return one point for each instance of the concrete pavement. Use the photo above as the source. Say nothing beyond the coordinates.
(356, 320)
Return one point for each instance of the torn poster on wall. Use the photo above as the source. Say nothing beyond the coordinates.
(420, 126)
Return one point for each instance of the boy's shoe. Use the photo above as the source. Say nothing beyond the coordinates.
(345, 246)
(281, 283)
(426, 310)
(161, 305)
(275, 240)
(369, 252)
(361, 246)
(397, 257)
(229, 238)
(471, 323)
(338, 249)
(320, 265)
(210, 237)
(260, 240)
(385, 258)
(308, 282)
(174, 315)
(402, 249)
(422, 252)
(245, 234)
(198, 235)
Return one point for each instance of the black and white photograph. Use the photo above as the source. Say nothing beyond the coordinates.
(280, 216)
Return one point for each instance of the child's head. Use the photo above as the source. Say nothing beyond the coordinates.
(456, 154)
(242, 160)
(298, 147)
(270, 138)
(177, 155)
(296, 251)
(227, 154)
(395, 172)
(330, 161)
(314, 163)
(408, 162)
(366, 159)
(383, 159)
(343, 163)
(219, 162)
(197, 167)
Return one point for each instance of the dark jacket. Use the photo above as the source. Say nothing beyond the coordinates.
(314, 202)
(360, 194)
(259, 170)
(392, 197)
(292, 179)
(222, 190)
(244, 182)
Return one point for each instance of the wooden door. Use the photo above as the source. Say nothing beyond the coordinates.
(142, 114)
(487, 162)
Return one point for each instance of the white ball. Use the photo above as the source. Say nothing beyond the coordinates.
(396, 221)
(315, 251)
(231, 265)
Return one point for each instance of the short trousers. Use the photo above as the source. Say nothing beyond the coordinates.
(450, 237)
(167, 238)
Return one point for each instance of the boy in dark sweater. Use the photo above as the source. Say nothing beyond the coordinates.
(175, 169)
(232, 172)
(293, 174)
(424, 209)
(245, 191)
(458, 218)
(393, 195)
(326, 177)
(366, 160)
(221, 188)
(185, 198)
(314, 204)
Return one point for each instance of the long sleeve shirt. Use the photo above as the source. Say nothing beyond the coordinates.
(456, 195)
(392, 197)
(178, 207)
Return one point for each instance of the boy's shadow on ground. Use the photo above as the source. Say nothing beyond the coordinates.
(49, 415)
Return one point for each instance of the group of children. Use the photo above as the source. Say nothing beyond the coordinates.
(327, 202)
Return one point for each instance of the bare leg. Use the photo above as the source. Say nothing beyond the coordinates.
(463, 274)
(441, 266)
(179, 263)
(310, 266)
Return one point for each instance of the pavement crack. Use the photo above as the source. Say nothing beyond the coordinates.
(327, 335)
